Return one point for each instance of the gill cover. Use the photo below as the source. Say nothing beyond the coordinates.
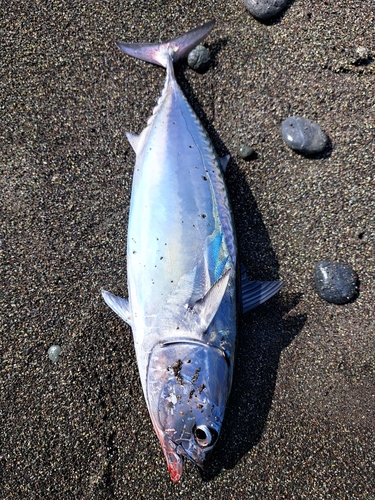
(187, 387)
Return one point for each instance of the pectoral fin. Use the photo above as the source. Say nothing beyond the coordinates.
(205, 308)
(254, 293)
(119, 305)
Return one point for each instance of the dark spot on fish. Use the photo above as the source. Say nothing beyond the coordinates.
(161, 258)
(177, 328)
(190, 146)
(196, 167)
(196, 375)
(191, 393)
(199, 406)
(171, 281)
(188, 361)
(200, 388)
(204, 177)
(176, 367)
(157, 239)
(204, 216)
(134, 251)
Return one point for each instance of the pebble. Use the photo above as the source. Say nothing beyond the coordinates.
(303, 135)
(54, 353)
(199, 58)
(335, 282)
(362, 55)
(264, 9)
(246, 152)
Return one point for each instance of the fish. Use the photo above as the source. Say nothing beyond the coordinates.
(183, 278)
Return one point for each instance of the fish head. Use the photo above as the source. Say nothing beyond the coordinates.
(188, 385)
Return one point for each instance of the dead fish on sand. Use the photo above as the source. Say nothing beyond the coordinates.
(182, 271)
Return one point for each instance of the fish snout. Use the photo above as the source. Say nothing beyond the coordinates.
(174, 460)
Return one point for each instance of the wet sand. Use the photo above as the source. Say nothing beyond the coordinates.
(300, 422)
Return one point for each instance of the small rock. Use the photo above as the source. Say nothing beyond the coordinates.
(54, 353)
(246, 152)
(199, 58)
(303, 135)
(362, 56)
(335, 282)
(264, 9)
(362, 53)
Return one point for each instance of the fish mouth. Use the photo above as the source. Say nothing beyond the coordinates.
(174, 455)
(174, 460)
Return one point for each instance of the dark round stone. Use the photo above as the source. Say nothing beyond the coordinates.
(335, 282)
(264, 9)
(199, 58)
(303, 135)
(246, 152)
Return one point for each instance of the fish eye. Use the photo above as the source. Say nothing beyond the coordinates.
(204, 436)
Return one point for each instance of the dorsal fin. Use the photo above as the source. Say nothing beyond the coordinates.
(134, 140)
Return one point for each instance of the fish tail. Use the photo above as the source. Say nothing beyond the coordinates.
(170, 51)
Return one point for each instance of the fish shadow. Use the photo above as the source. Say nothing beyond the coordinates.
(263, 333)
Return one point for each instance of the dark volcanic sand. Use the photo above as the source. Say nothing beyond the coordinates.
(301, 420)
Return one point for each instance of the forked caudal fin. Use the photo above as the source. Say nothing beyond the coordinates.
(159, 53)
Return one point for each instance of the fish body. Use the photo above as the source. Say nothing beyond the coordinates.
(181, 268)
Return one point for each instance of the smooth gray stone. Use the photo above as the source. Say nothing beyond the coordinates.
(335, 282)
(303, 135)
(246, 152)
(54, 353)
(264, 9)
(199, 58)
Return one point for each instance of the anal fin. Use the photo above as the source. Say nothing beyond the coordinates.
(118, 305)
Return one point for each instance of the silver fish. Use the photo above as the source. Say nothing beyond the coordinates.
(181, 267)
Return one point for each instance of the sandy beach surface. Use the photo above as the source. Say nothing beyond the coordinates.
(300, 421)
